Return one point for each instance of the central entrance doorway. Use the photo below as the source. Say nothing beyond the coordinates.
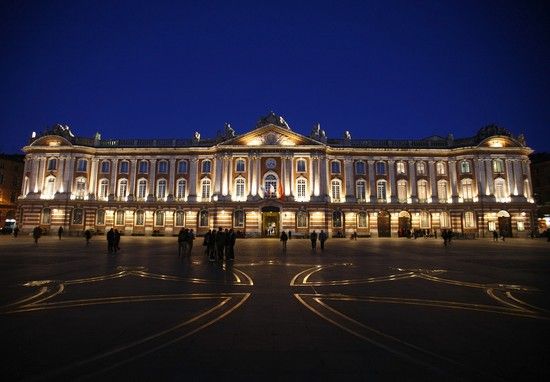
(271, 221)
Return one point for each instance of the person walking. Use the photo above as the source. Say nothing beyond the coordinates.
(88, 236)
(503, 234)
(190, 238)
(110, 240)
(289, 234)
(36, 233)
(232, 240)
(495, 235)
(15, 231)
(284, 238)
(313, 238)
(322, 239)
(60, 232)
(220, 243)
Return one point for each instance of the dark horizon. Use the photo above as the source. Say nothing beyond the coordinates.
(380, 70)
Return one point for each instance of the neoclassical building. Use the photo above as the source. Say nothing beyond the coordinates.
(271, 179)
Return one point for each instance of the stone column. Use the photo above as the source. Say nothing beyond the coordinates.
(433, 183)
(289, 184)
(92, 186)
(482, 183)
(193, 164)
(33, 176)
(218, 174)
(324, 185)
(151, 185)
(518, 176)
(372, 184)
(229, 177)
(454, 181)
(349, 179)
(132, 176)
(412, 181)
(69, 175)
(171, 179)
(509, 178)
(42, 174)
(391, 172)
(60, 171)
(311, 177)
(252, 189)
(490, 180)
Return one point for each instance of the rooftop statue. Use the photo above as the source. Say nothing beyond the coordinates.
(273, 119)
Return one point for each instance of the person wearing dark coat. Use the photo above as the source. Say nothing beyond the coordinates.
(116, 243)
(220, 243)
(284, 238)
(313, 238)
(231, 239)
(110, 240)
(60, 232)
(322, 239)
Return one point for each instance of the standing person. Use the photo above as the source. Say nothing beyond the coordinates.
(445, 236)
(503, 234)
(284, 238)
(36, 233)
(313, 238)
(88, 236)
(190, 238)
(210, 242)
(110, 240)
(117, 241)
(60, 232)
(232, 239)
(220, 243)
(289, 234)
(15, 231)
(495, 235)
(322, 239)
(181, 242)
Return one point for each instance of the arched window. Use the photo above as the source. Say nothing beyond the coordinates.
(49, 190)
(335, 167)
(301, 219)
(401, 168)
(381, 190)
(179, 218)
(105, 166)
(421, 168)
(402, 191)
(205, 189)
(203, 218)
(143, 167)
(52, 164)
(360, 168)
(240, 188)
(181, 187)
(270, 186)
(206, 166)
(100, 217)
(103, 191)
(469, 219)
(46, 217)
(119, 217)
(336, 189)
(301, 189)
(82, 165)
(238, 219)
(424, 220)
(465, 167)
(124, 167)
(159, 218)
(380, 168)
(161, 189)
(163, 167)
(122, 188)
(498, 166)
(467, 192)
(500, 192)
(140, 217)
(442, 191)
(77, 216)
(182, 167)
(80, 187)
(337, 219)
(361, 190)
(301, 165)
(240, 165)
(142, 188)
(444, 220)
(362, 221)
(422, 186)
(441, 168)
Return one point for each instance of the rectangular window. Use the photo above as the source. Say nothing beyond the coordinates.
(82, 165)
(105, 166)
(163, 167)
(335, 167)
(140, 217)
(360, 168)
(124, 167)
(119, 218)
(143, 167)
(380, 168)
(182, 167)
(301, 165)
(100, 218)
(362, 220)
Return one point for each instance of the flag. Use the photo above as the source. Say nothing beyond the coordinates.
(281, 190)
(271, 190)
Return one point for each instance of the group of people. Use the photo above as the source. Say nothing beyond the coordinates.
(185, 241)
(322, 238)
(447, 235)
(113, 240)
(220, 244)
(496, 235)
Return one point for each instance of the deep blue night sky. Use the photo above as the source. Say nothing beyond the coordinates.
(379, 69)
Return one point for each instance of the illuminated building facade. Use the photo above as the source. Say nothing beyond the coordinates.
(271, 179)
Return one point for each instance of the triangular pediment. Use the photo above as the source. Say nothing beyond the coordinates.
(271, 135)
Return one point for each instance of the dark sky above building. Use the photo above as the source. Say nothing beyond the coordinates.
(387, 69)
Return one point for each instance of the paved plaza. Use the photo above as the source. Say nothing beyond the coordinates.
(370, 309)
